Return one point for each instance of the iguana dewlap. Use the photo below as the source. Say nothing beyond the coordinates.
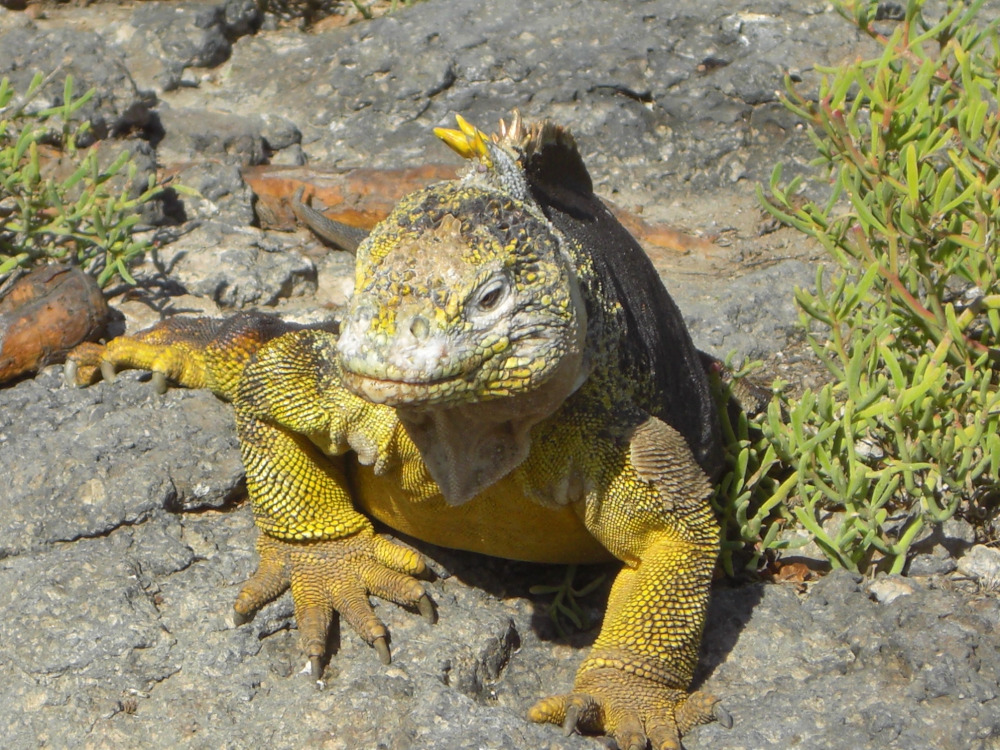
(511, 378)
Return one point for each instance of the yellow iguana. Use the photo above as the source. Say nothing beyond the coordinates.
(510, 377)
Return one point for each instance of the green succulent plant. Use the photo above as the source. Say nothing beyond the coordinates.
(88, 217)
(905, 314)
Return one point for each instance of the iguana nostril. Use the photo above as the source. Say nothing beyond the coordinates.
(419, 327)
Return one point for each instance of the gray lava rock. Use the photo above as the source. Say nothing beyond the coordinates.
(117, 105)
(237, 139)
(835, 669)
(687, 92)
(983, 564)
(105, 465)
(753, 316)
(221, 194)
(235, 266)
(164, 39)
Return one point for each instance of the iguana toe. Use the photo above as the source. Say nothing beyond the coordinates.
(634, 711)
(268, 582)
(327, 577)
(701, 708)
(82, 364)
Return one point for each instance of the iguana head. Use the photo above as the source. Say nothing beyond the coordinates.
(463, 294)
(467, 317)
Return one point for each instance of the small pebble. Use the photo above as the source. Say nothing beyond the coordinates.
(983, 564)
(887, 589)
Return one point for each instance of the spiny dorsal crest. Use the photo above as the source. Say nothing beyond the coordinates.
(519, 140)
(521, 156)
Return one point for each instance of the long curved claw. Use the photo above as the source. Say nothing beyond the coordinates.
(381, 647)
(108, 371)
(315, 667)
(427, 609)
(69, 374)
(722, 716)
(569, 725)
(159, 382)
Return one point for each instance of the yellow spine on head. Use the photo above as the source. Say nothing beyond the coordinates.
(468, 141)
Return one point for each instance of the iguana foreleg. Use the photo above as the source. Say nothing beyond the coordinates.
(293, 418)
(654, 514)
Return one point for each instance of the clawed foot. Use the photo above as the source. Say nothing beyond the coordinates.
(336, 576)
(190, 352)
(633, 711)
(159, 350)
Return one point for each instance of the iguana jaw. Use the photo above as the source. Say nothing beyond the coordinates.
(396, 392)
(447, 371)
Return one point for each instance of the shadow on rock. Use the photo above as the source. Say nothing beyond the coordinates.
(729, 612)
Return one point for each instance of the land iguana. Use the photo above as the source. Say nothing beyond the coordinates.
(510, 377)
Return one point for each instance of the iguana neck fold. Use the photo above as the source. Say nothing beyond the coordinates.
(471, 446)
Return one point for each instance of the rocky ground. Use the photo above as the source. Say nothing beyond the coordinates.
(124, 534)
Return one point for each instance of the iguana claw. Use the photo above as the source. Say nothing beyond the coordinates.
(159, 382)
(722, 716)
(427, 610)
(572, 719)
(69, 374)
(381, 647)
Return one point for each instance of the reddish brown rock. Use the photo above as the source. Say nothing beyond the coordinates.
(44, 315)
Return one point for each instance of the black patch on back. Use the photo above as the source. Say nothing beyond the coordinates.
(659, 343)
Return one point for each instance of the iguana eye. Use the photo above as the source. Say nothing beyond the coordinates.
(492, 295)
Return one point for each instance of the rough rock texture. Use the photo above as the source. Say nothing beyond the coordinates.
(237, 266)
(116, 107)
(839, 668)
(123, 535)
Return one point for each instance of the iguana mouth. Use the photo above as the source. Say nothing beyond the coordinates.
(398, 392)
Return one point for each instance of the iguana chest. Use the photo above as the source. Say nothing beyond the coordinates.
(501, 521)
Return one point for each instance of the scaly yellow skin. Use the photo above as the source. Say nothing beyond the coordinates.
(463, 279)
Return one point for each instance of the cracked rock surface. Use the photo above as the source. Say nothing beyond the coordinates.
(124, 531)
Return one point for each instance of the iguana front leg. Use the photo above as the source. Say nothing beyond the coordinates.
(653, 513)
(291, 413)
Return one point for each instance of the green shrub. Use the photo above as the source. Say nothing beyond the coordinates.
(906, 313)
(86, 218)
